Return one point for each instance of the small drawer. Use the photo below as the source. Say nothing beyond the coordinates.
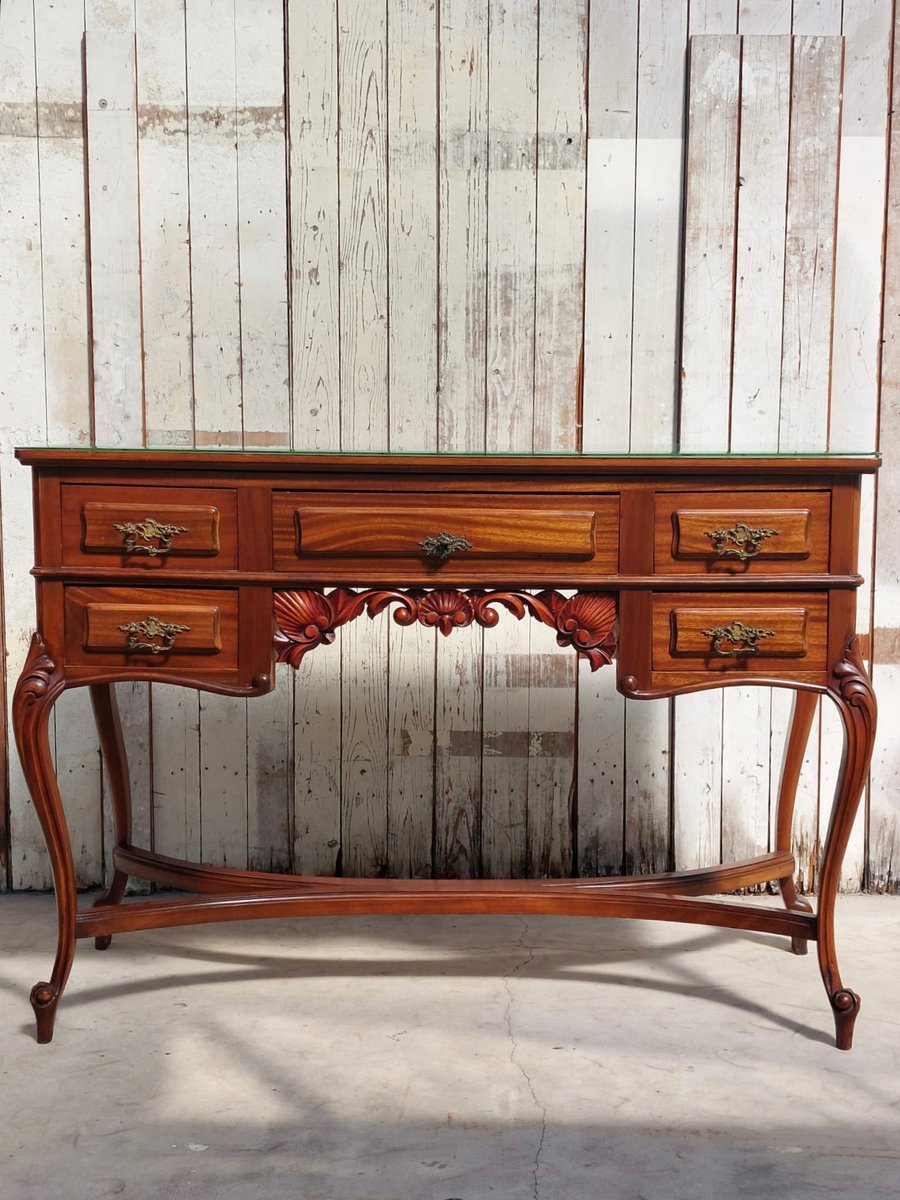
(158, 627)
(149, 526)
(774, 532)
(743, 632)
(364, 528)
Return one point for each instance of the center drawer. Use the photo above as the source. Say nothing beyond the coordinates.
(434, 531)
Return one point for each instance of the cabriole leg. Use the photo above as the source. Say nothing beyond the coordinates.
(856, 703)
(804, 711)
(39, 685)
(109, 727)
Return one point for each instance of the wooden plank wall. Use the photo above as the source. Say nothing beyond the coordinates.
(452, 225)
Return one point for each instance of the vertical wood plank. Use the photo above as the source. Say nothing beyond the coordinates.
(561, 149)
(61, 163)
(165, 240)
(709, 242)
(265, 371)
(511, 224)
(363, 224)
(312, 72)
(168, 369)
(412, 191)
(462, 349)
(816, 18)
(215, 279)
(609, 234)
(760, 241)
(710, 230)
(362, 54)
(511, 247)
(313, 179)
(883, 869)
(22, 387)
(809, 245)
(216, 348)
(116, 319)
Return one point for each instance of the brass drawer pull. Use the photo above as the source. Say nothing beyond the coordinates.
(442, 545)
(744, 637)
(747, 541)
(152, 627)
(149, 536)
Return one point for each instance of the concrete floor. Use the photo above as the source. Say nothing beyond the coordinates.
(440, 1058)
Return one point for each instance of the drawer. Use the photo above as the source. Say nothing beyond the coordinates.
(773, 532)
(513, 530)
(746, 632)
(155, 627)
(149, 526)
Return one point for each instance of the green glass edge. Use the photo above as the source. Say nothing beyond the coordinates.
(560, 454)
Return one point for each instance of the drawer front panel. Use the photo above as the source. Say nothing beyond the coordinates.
(756, 632)
(148, 527)
(775, 532)
(153, 627)
(359, 527)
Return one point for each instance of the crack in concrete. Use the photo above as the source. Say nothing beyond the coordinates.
(514, 1050)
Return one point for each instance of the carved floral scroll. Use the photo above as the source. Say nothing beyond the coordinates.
(307, 617)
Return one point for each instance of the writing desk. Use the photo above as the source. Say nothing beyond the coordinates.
(200, 568)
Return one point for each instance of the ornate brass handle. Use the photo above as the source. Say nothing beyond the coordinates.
(152, 627)
(442, 545)
(747, 541)
(744, 638)
(149, 536)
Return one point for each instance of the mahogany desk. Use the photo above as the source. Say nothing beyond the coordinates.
(200, 568)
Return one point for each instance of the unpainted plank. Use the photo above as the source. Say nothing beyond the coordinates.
(61, 164)
(317, 761)
(883, 867)
(168, 369)
(656, 350)
(215, 278)
(412, 204)
(165, 242)
(462, 348)
(457, 772)
(22, 391)
(410, 716)
(216, 349)
(313, 190)
(265, 372)
(867, 27)
(609, 226)
(362, 54)
(117, 369)
(312, 65)
(809, 245)
(463, 178)
(262, 223)
(363, 225)
(709, 242)
(760, 241)
(560, 231)
(512, 162)
(707, 347)
(764, 17)
(505, 850)
(815, 18)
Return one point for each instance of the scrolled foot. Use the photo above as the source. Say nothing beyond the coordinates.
(845, 1005)
(44, 999)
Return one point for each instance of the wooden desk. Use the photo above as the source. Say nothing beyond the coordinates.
(708, 571)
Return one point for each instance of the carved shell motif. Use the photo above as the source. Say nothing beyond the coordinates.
(304, 619)
(586, 622)
(446, 610)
